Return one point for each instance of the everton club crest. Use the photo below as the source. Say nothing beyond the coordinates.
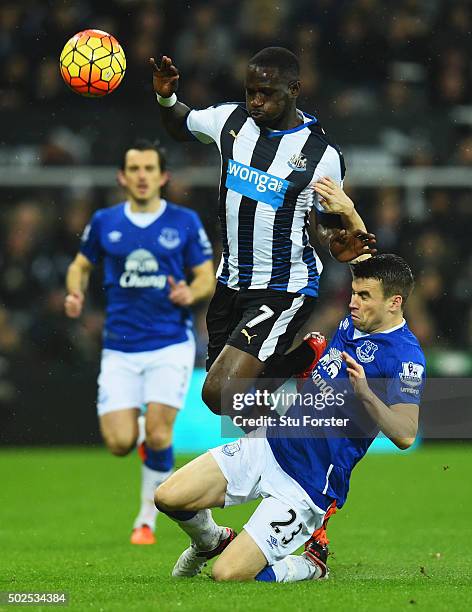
(366, 351)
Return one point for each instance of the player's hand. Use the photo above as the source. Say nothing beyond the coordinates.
(165, 76)
(73, 304)
(332, 198)
(346, 246)
(357, 377)
(180, 293)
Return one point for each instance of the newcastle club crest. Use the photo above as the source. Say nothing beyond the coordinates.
(298, 162)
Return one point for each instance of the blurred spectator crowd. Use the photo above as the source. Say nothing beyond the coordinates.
(362, 52)
(394, 74)
(395, 77)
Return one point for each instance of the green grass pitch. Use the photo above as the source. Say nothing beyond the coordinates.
(403, 541)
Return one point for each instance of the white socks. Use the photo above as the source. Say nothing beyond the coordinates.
(141, 430)
(295, 568)
(203, 530)
(150, 480)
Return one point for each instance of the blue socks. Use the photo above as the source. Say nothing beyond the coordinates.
(159, 460)
(266, 575)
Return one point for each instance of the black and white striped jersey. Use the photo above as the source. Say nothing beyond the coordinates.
(266, 195)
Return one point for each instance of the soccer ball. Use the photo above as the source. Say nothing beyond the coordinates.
(93, 63)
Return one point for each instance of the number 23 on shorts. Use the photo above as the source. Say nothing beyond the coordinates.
(276, 526)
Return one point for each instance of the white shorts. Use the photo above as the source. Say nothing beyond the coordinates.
(287, 516)
(129, 380)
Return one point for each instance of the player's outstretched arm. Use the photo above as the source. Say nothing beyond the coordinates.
(77, 279)
(336, 202)
(351, 242)
(398, 422)
(165, 80)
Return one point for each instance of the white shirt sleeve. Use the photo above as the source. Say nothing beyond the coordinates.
(329, 165)
(206, 124)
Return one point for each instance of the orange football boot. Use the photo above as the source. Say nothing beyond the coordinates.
(320, 535)
(143, 535)
(316, 548)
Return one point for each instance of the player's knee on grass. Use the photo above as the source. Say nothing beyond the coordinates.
(223, 572)
(220, 573)
(241, 560)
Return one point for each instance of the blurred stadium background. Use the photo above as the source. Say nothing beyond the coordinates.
(391, 84)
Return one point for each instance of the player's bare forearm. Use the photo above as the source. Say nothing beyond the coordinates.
(77, 278)
(352, 221)
(165, 82)
(398, 422)
(400, 427)
(78, 274)
(174, 121)
(321, 233)
(335, 201)
(201, 287)
(343, 234)
(203, 284)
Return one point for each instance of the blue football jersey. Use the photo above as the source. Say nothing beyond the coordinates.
(137, 262)
(321, 458)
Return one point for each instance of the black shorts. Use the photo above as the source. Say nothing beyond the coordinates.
(261, 322)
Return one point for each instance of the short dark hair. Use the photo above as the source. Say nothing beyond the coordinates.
(391, 270)
(278, 57)
(142, 144)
